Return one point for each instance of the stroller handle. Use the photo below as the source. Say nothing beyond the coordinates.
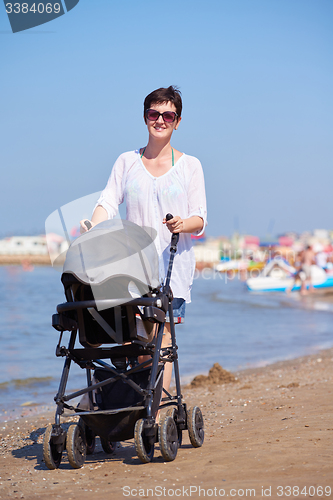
(175, 236)
(173, 250)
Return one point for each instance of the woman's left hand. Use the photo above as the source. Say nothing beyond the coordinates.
(175, 225)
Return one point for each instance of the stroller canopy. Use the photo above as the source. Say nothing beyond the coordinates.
(114, 249)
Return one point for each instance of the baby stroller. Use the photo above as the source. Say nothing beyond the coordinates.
(116, 310)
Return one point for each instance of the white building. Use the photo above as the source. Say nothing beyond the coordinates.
(24, 245)
(209, 251)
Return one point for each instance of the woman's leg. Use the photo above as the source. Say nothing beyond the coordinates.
(166, 342)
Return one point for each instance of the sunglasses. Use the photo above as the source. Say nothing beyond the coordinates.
(168, 116)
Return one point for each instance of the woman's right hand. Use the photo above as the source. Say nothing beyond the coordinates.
(83, 227)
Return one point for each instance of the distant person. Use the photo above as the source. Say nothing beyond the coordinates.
(329, 264)
(308, 259)
(321, 259)
(298, 266)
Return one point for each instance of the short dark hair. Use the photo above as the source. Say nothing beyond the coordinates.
(162, 95)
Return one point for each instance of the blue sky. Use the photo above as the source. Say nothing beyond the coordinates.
(256, 78)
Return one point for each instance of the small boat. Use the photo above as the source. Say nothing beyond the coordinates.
(231, 265)
(238, 265)
(279, 276)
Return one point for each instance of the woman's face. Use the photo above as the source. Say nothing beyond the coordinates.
(160, 129)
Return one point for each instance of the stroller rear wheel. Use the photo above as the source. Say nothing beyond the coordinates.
(90, 437)
(76, 446)
(143, 445)
(109, 447)
(195, 426)
(52, 452)
(172, 412)
(168, 438)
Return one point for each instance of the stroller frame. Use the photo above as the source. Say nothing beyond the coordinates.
(80, 437)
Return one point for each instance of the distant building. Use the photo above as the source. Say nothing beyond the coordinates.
(321, 234)
(24, 245)
(208, 252)
(286, 241)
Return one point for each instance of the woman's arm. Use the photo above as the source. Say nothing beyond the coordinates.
(179, 225)
(196, 196)
(99, 215)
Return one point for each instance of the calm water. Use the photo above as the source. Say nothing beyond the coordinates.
(224, 323)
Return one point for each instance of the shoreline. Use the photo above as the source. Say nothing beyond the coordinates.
(34, 408)
(270, 429)
(25, 259)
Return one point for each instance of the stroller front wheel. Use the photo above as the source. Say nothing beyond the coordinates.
(90, 437)
(76, 446)
(168, 438)
(143, 445)
(172, 412)
(52, 452)
(109, 447)
(195, 425)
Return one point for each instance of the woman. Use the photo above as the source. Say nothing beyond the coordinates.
(156, 180)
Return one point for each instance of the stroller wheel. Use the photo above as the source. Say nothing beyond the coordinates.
(52, 452)
(195, 426)
(90, 437)
(144, 447)
(172, 412)
(109, 447)
(76, 445)
(168, 438)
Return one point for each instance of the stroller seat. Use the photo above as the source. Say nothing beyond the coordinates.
(115, 325)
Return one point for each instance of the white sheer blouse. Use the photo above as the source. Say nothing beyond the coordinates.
(180, 191)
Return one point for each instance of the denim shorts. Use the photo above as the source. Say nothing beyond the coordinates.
(178, 311)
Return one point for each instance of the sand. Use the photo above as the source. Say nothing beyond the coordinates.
(267, 434)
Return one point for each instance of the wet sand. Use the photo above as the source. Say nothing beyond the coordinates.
(269, 431)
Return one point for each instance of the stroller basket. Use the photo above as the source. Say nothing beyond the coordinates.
(119, 426)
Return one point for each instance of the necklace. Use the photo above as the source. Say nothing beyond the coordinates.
(173, 158)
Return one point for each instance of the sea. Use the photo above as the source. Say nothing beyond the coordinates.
(225, 324)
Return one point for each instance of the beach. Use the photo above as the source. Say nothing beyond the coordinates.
(267, 434)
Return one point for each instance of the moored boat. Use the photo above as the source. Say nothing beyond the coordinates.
(279, 276)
